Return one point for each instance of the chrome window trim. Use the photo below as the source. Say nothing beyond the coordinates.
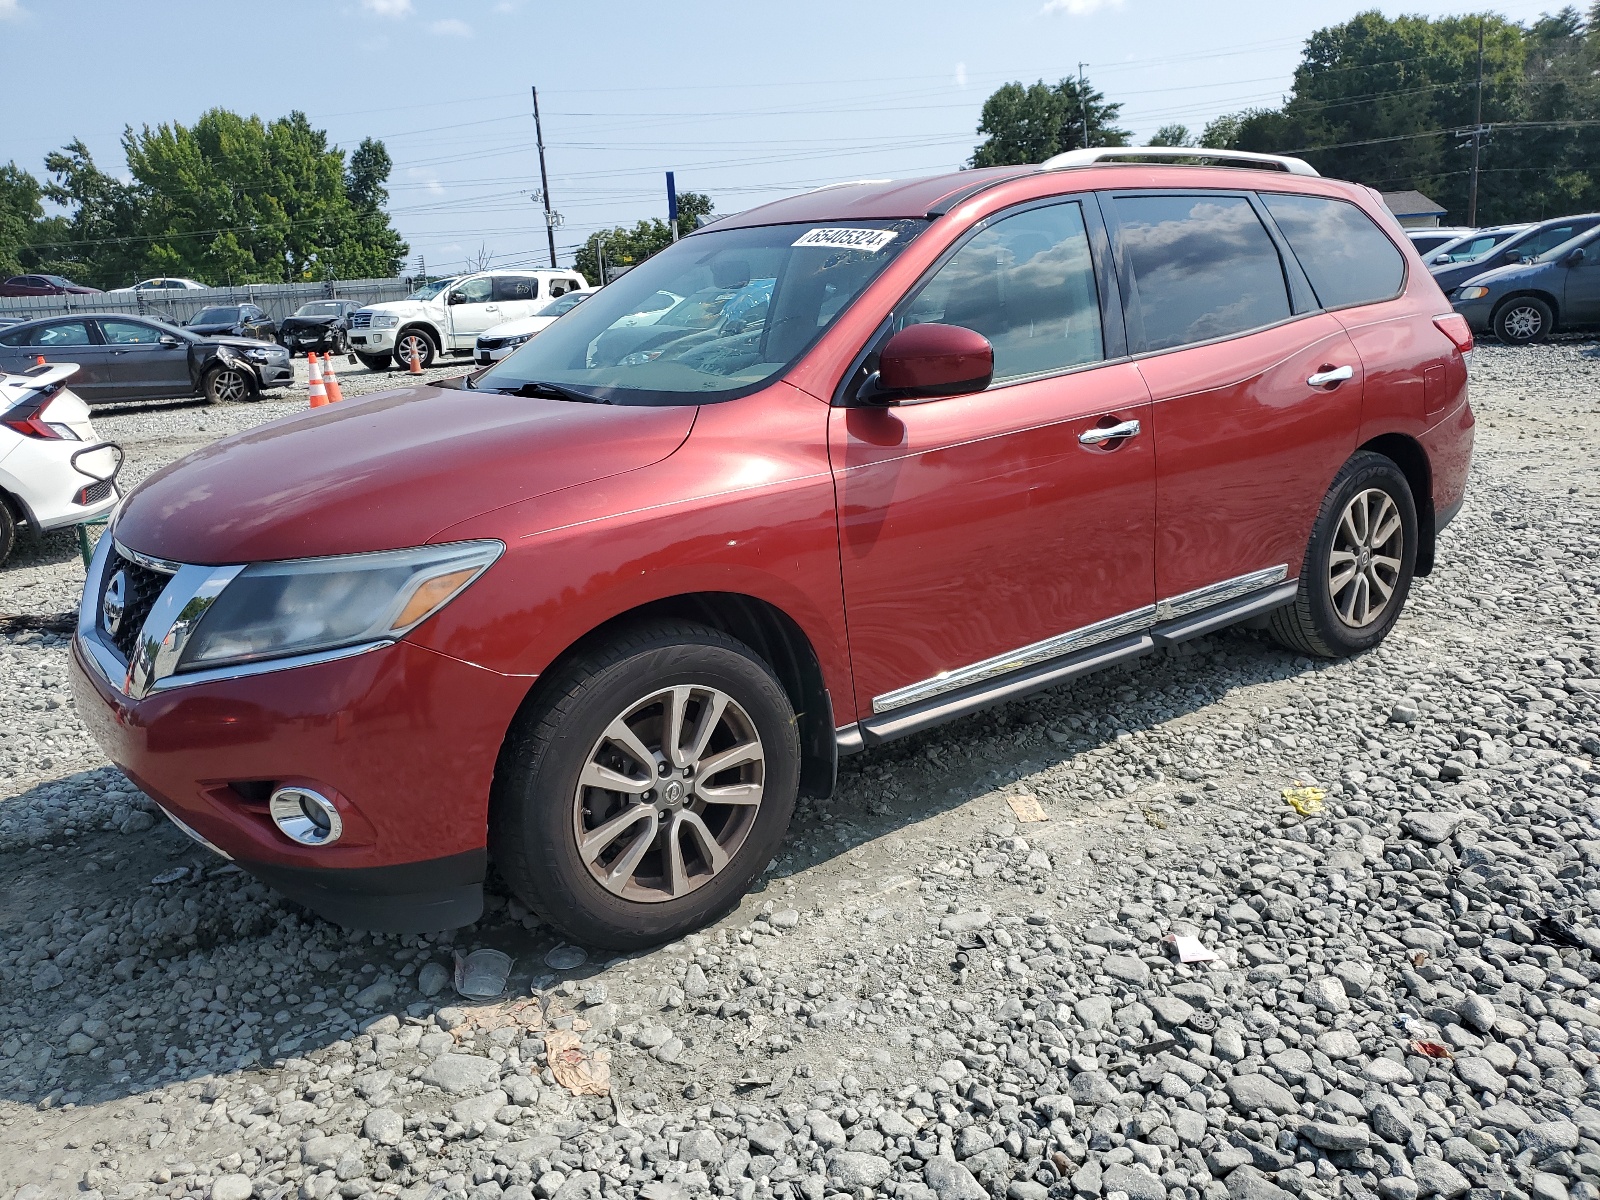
(1138, 620)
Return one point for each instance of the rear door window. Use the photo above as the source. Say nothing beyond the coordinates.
(1344, 255)
(1203, 267)
(1027, 284)
(1546, 239)
(58, 334)
(129, 333)
(515, 287)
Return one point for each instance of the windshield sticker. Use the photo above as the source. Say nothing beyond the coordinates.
(868, 240)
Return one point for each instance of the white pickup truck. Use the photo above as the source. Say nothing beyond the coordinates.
(447, 315)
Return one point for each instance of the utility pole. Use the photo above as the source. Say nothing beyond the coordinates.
(672, 204)
(1083, 106)
(600, 257)
(1477, 137)
(550, 217)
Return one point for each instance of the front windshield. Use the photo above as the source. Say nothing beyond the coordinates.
(319, 308)
(562, 303)
(429, 290)
(215, 316)
(746, 304)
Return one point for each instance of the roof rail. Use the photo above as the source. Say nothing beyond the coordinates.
(1227, 158)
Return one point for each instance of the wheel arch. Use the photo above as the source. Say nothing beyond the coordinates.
(775, 637)
(426, 327)
(1407, 454)
(1537, 294)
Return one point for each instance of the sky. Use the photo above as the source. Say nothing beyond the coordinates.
(744, 101)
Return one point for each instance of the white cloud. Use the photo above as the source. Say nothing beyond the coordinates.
(1078, 8)
(388, 8)
(426, 177)
(451, 27)
(10, 9)
(961, 75)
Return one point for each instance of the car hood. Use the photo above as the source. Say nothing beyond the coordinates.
(238, 343)
(383, 472)
(210, 328)
(1511, 272)
(405, 308)
(518, 327)
(307, 322)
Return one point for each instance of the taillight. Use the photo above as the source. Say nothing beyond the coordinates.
(1454, 326)
(27, 419)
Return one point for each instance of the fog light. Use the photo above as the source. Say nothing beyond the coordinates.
(305, 816)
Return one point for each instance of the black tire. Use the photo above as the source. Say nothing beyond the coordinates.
(405, 339)
(230, 385)
(374, 362)
(8, 528)
(1523, 320)
(535, 809)
(1318, 622)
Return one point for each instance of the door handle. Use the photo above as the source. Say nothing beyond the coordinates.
(1335, 375)
(1093, 437)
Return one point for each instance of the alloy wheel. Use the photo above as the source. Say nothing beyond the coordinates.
(1524, 322)
(413, 344)
(1365, 563)
(228, 386)
(669, 793)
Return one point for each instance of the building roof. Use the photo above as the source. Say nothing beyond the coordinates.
(1411, 204)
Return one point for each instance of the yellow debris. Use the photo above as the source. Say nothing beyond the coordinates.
(1304, 799)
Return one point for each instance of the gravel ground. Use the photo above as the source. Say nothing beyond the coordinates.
(925, 997)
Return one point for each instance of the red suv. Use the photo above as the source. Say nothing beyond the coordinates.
(821, 475)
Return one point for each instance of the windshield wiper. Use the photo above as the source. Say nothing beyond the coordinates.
(552, 391)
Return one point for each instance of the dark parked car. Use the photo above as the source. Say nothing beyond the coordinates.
(139, 358)
(1526, 302)
(1522, 247)
(239, 320)
(44, 285)
(321, 325)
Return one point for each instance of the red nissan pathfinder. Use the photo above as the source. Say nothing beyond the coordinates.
(820, 475)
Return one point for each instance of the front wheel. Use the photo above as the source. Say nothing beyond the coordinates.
(645, 793)
(413, 343)
(1358, 565)
(1522, 320)
(229, 385)
(374, 362)
(8, 529)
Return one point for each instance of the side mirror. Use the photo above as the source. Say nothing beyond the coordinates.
(1575, 256)
(930, 360)
(456, 298)
(168, 340)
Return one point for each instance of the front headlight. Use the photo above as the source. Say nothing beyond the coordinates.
(1476, 292)
(384, 321)
(255, 355)
(518, 340)
(275, 609)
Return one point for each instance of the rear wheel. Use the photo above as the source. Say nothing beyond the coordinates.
(229, 385)
(1358, 565)
(644, 795)
(374, 362)
(1522, 320)
(413, 343)
(8, 528)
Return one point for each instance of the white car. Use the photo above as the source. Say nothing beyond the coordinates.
(165, 283)
(448, 315)
(500, 340)
(54, 470)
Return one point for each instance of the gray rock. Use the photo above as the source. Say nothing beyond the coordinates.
(1250, 1093)
(1432, 827)
(479, 1108)
(769, 1138)
(1327, 1136)
(1093, 1011)
(966, 922)
(1480, 1075)
(1405, 712)
(432, 978)
(1338, 1043)
(701, 1144)
(1093, 1087)
(375, 994)
(1126, 968)
(460, 1074)
(1170, 1010)
(139, 821)
(1136, 1182)
(1477, 1012)
(1356, 977)
(1328, 994)
(1228, 1044)
(1435, 1177)
(324, 1151)
(227, 1187)
(1248, 1183)
(950, 1180)
(384, 1126)
(1548, 1137)
(825, 1131)
(853, 1170)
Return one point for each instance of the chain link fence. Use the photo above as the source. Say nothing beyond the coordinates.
(277, 300)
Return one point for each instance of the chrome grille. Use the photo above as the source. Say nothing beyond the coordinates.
(142, 588)
(361, 320)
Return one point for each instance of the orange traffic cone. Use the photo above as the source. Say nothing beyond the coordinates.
(416, 362)
(330, 380)
(319, 393)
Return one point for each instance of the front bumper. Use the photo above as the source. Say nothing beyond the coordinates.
(275, 372)
(1479, 313)
(402, 739)
(486, 356)
(374, 341)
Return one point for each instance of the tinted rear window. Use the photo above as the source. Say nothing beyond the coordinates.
(1205, 267)
(1342, 252)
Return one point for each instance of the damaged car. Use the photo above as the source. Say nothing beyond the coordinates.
(139, 358)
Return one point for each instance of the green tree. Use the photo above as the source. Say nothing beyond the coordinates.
(1386, 101)
(98, 242)
(1029, 124)
(1174, 135)
(20, 212)
(629, 247)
